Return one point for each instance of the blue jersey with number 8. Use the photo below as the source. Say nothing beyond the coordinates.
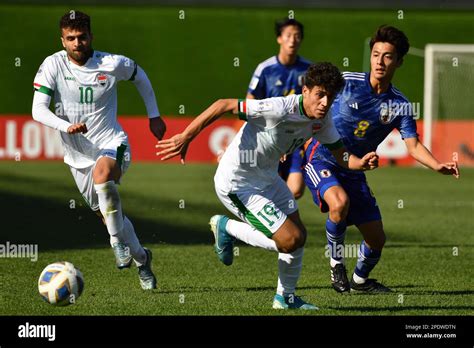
(364, 118)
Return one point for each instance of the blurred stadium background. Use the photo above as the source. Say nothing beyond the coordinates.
(194, 53)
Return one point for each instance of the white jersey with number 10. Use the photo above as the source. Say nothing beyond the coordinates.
(86, 94)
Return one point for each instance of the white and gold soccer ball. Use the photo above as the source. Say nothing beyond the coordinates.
(61, 283)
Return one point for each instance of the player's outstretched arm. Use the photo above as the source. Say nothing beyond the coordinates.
(419, 152)
(350, 161)
(178, 144)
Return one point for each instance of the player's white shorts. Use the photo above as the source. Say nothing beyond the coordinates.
(83, 176)
(265, 210)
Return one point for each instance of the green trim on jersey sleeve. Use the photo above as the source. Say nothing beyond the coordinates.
(242, 107)
(249, 216)
(134, 73)
(334, 146)
(43, 89)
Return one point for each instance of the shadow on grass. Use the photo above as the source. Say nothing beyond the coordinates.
(425, 246)
(190, 289)
(401, 308)
(435, 292)
(48, 220)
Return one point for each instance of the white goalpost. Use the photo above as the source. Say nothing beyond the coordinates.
(448, 85)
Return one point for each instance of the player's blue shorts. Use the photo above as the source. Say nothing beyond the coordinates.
(321, 175)
(292, 164)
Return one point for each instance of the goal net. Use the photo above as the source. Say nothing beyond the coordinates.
(448, 115)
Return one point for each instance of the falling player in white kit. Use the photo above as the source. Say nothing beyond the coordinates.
(83, 83)
(247, 180)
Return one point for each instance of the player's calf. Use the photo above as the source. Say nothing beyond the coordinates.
(338, 202)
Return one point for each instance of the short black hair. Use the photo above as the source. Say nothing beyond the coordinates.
(325, 75)
(394, 36)
(75, 20)
(283, 23)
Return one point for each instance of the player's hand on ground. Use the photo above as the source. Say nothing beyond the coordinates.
(157, 127)
(77, 128)
(172, 147)
(370, 161)
(449, 168)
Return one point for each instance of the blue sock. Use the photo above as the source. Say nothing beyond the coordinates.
(335, 234)
(368, 259)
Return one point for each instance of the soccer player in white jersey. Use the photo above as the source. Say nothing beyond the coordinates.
(247, 180)
(83, 83)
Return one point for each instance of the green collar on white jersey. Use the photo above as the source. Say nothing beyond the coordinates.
(302, 112)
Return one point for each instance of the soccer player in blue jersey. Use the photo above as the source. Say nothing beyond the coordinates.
(364, 113)
(282, 75)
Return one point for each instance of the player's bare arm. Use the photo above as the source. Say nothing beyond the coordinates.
(178, 144)
(419, 152)
(348, 160)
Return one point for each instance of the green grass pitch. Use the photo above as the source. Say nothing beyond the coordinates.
(427, 260)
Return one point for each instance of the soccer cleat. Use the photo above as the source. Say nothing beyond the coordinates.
(291, 302)
(371, 286)
(224, 245)
(339, 280)
(147, 278)
(123, 259)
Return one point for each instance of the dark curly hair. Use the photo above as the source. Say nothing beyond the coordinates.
(393, 36)
(75, 20)
(325, 75)
(283, 23)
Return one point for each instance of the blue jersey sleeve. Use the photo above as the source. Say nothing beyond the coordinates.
(407, 127)
(407, 124)
(257, 86)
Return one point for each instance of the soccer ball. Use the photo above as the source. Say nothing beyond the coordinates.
(60, 283)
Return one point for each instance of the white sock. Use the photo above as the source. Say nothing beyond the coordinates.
(113, 240)
(131, 239)
(111, 208)
(289, 269)
(333, 262)
(248, 234)
(358, 280)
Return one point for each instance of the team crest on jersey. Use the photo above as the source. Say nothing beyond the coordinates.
(102, 79)
(325, 173)
(386, 114)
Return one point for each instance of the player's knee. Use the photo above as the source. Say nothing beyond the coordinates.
(296, 187)
(339, 206)
(298, 193)
(100, 175)
(292, 241)
(104, 174)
